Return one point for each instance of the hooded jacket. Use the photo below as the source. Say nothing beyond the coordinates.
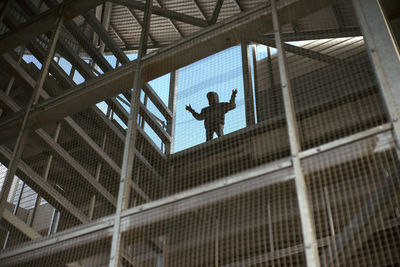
(214, 114)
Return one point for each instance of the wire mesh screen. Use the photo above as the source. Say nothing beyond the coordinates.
(208, 176)
(238, 225)
(355, 195)
(335, 93)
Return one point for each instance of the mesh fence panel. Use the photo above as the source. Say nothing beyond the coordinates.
(355, 196)
(188, 201)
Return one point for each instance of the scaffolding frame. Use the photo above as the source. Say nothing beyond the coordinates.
(125, 219)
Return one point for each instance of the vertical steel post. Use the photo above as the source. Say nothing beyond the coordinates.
(329, 210)
(45, 175)
(130, 142)
(383, 54)
(247, 85)
(306, 215)
(15, 213)
(270, 230)
(256, 89)
(172, 99)
(25, 127)
(98, 170)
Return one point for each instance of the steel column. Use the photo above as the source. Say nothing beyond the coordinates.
(384, 55)
(247, 85)
(45, 175)
(306, 215)
(130, 142)
(255, 78)
(173, 93)
(25, 127)
(98, 171)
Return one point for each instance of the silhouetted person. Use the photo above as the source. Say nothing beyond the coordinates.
(214, 114)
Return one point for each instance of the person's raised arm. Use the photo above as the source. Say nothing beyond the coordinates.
(232, 103)
(196, 115)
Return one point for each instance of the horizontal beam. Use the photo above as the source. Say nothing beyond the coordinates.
(320, 34)
(345, 141)
(44, 22)
(174, 205)
(285, 252)
(56, 148)
(303, 52)
(207, 42)
(255, 179)
(163, 12)
(20, 225)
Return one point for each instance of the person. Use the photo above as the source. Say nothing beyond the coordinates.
(214, 114)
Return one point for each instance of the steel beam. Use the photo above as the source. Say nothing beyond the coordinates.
(174, 205)
(297, 249)
(100, 152)
(173, 24)
(226, 188)
(201, 11)
(362, 223)
(130, 144)
(102, 155)
(20, 225)
(135, 17)
(193, 199)
(123, 41)
(306, 214)
(67, 51)
(163, 12)
(57, 149)
(84, 41)
(216, 11)
(43, 187)
(146, 114)
(320, 34)
(102, 32)
(43, 23)
(207, 42)
(25, 127)
(306, 52)
(88, 46)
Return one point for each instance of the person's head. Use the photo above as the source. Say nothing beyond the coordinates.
(212, 98)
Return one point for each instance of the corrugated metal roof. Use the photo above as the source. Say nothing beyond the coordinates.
(125, 30)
